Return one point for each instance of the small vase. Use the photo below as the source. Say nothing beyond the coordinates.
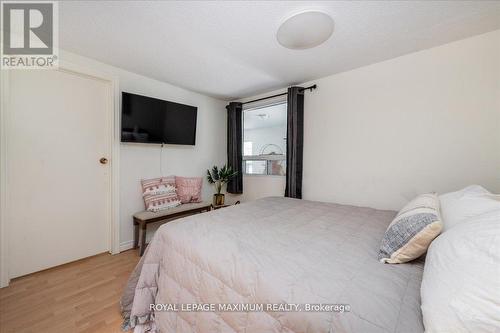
(218, 199)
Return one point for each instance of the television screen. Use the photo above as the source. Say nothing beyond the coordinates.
(152, 120)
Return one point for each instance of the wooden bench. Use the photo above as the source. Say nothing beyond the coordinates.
(142, 219)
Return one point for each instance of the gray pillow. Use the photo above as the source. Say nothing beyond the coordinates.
(412, 230)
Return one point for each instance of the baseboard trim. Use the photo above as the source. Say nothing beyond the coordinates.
(126, 245)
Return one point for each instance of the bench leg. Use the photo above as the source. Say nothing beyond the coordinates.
(142, 243)
(136, 235)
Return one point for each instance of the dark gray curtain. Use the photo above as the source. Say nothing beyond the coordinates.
(294, 142)
(235, 145)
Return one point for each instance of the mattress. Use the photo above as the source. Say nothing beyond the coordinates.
(305, 266)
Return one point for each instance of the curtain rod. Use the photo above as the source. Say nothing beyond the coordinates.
(310, 88)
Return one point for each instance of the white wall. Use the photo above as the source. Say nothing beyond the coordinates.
(257, 186)
(428, 121)
(143, 161)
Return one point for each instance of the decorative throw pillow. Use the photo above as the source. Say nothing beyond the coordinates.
(157, 202)
(189, 188)
(412, 230)
(159, 193)
(158, 185)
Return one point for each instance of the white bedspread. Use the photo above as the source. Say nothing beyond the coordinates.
(275, 250)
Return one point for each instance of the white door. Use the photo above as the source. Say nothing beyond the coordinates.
(58, 192)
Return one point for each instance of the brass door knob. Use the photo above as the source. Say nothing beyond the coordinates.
(103, 160)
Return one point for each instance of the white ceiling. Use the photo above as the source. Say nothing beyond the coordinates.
(229, 50)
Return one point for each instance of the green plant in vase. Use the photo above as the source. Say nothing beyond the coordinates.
(218, 177)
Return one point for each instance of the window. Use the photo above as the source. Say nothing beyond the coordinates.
(247, 148)
(264, 140)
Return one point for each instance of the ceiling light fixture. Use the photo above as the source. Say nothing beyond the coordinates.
(305, 30)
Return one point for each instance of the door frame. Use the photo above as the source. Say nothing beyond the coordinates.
(113, 115)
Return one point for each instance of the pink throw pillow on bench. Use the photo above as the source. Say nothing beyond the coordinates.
(158, 202)
(158, 185)
(189, 188)
(159, 193)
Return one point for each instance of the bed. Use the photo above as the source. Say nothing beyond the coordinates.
(274, 251)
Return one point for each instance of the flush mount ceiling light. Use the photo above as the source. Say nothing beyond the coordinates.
(305, 30)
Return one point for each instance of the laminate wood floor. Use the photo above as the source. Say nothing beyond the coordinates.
(82, 296)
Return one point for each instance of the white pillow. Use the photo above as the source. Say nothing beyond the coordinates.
(461, 282)
(466, 203)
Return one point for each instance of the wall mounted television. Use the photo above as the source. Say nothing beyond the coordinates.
(152, 120)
